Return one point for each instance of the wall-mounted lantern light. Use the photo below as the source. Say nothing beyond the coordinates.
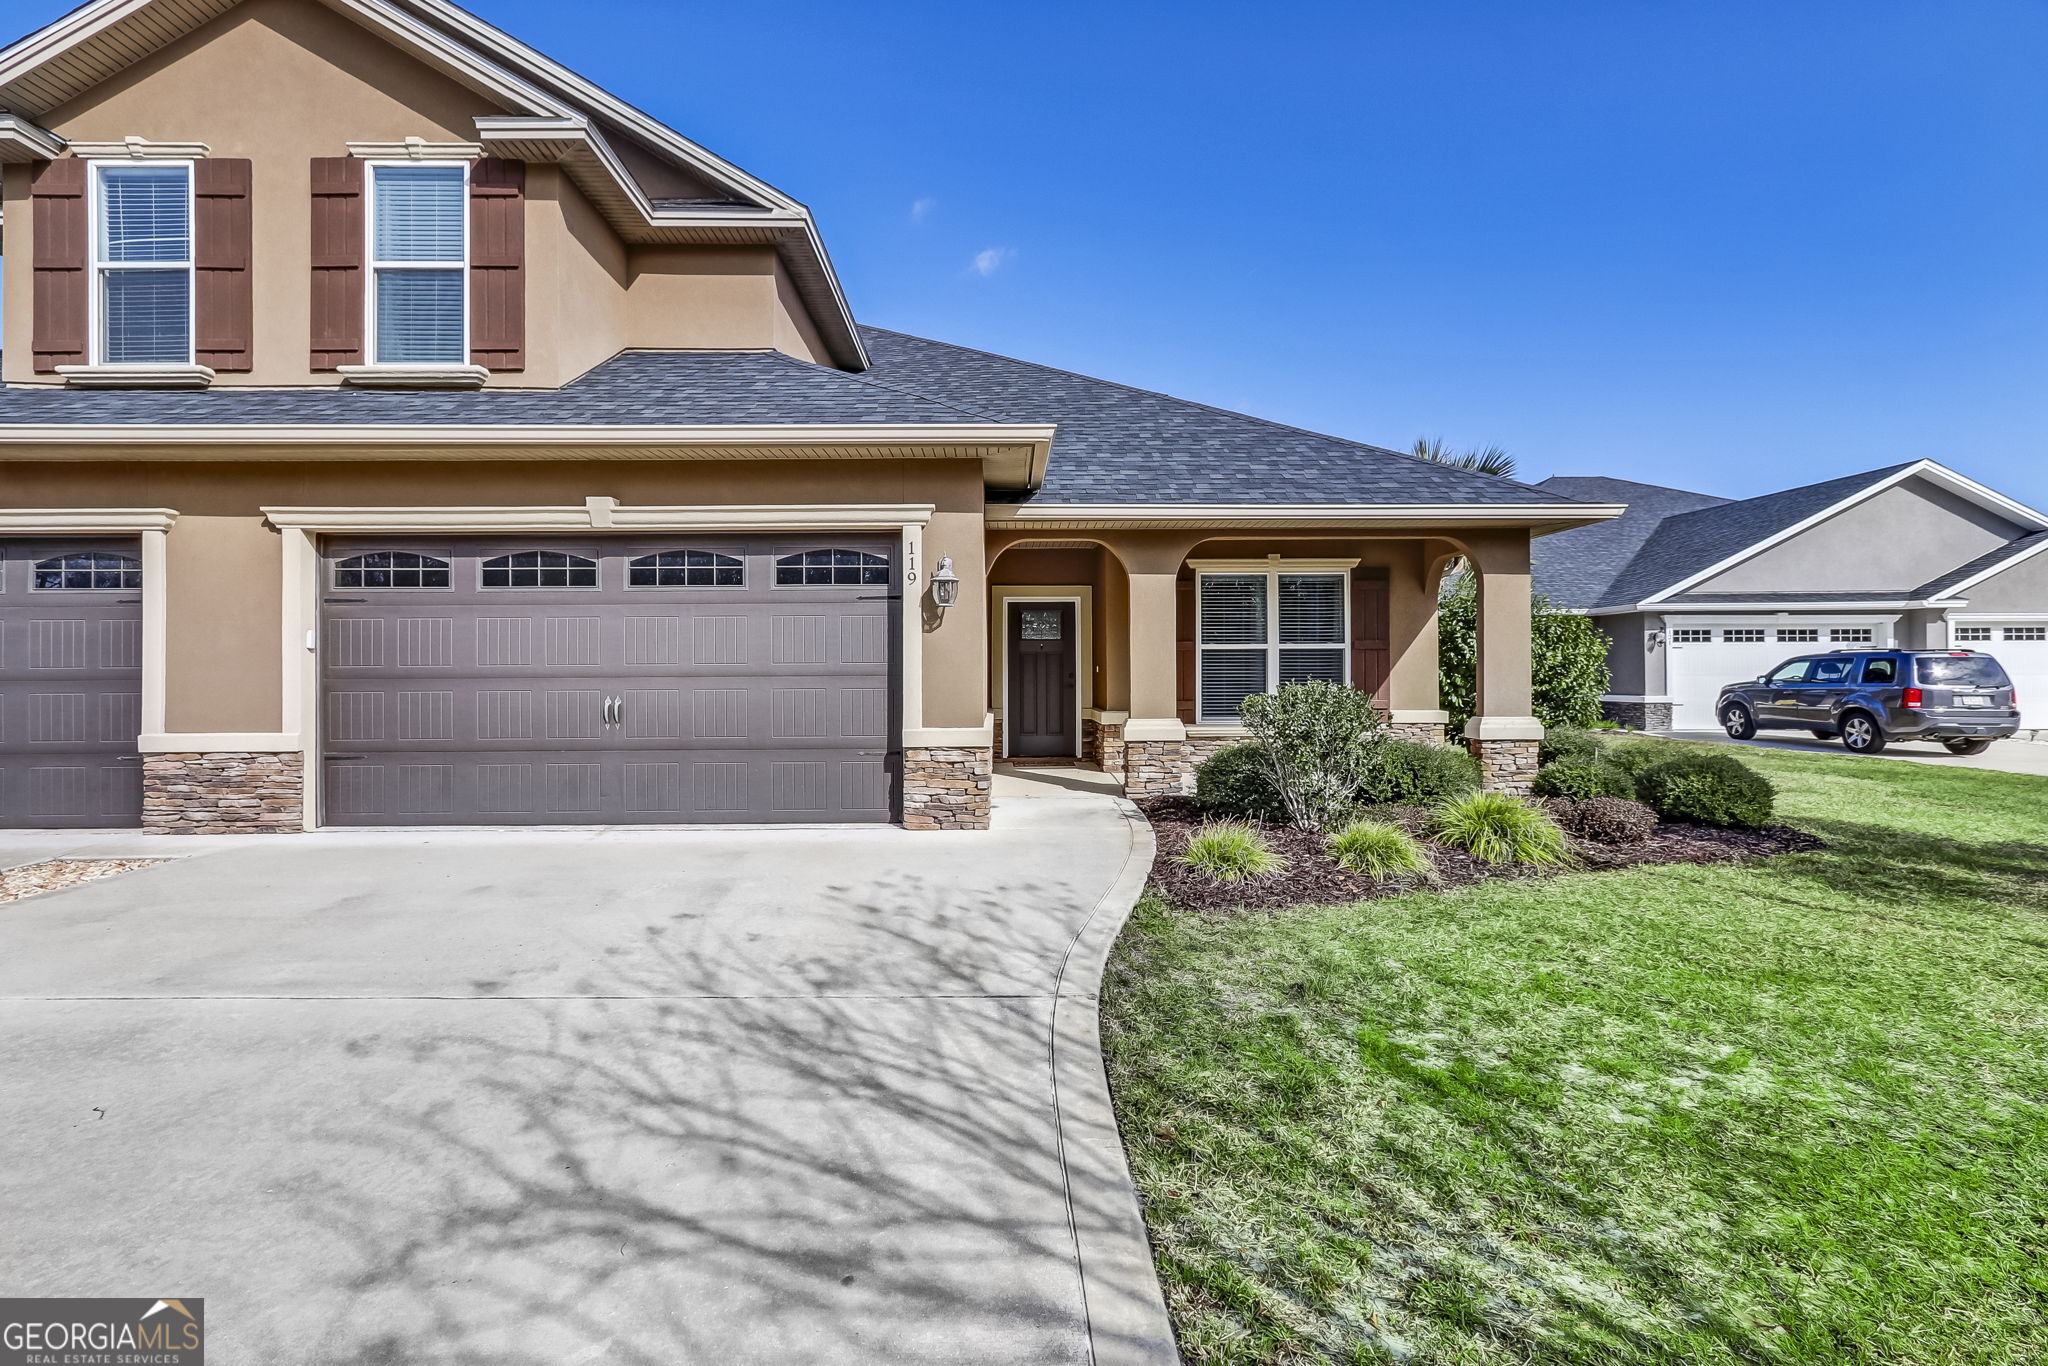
(945, 584)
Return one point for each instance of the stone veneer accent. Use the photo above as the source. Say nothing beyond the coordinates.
(1638, 715)
(1506, 765)
(1157, 768)
(223, 794)
(1427, 732)
(947, 788)
(1108, 742)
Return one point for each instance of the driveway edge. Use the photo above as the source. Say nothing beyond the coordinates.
(1126, 1311)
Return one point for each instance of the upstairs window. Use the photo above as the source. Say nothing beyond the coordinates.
(142, 263)
(419, 263)
(540, 569)
(686, 569)
(831, 568)
(1256, 631)
(391, 569)
(88, 569)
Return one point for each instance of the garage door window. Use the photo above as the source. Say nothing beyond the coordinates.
(1748, 635)
(686, 569)
(831, 569)
(391, 569)
(1973, 633)
(540, 569)
(2026, 633)
(1850, 635)
(87, 570)
(1803, 635)
(1691, 635)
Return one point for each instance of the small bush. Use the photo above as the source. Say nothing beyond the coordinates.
(1583, 778)
(1410, 773)
(1568, 742)
(1231, 851)
(1607, 820)
(1379, 849)
(1636, 757)
(1709, 789)
(1318, 741)
(1237, 781)
(1495, 828)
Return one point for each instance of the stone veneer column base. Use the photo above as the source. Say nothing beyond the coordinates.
(223, 794)
(1157, 768)
(1638, 715)
(1108, 741)
(947, 788)
(1426, 732)
(1506, 765)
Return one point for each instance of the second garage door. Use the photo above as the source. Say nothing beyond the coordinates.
(608, 681)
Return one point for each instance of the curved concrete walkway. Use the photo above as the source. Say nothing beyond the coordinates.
(578, 1097)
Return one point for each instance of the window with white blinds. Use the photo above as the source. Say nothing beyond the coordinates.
(1255, 631)
(419, 263)
(142, 263)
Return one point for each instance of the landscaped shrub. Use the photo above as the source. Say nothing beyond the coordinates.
(1606, 820)
(1637, 757)
(1318, 741)
(1583, 778)
(1496, 828)
(1237, 781)
(1569, 658)
(1410, 773)
(1379, 849)
(1568, 742)
(1231, 851)
(1709, 789)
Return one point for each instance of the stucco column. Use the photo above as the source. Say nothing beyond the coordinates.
(1155, 753)
(1414, 702)
(1503, 732)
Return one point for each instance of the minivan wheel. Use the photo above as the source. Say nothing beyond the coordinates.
(1861, 733)
(1736, 720)
(1966, 746)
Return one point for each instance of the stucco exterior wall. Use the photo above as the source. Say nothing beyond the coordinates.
(281, 82)
(1907, 535)
(1628, 654)
(2022, 587)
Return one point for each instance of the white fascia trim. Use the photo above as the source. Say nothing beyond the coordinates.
(22, 141)
(84, 521)
(604, 514)
(1948, 597)
(222, 742)
(466, 434)
(1771, 608)
(1998, 616)
(141, 149)
(1306, 512)
(1266, 564)
(1926, 469)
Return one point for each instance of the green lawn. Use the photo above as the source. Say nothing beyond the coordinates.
(1794, 1111)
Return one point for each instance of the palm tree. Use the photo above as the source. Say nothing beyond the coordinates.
(1490, 460)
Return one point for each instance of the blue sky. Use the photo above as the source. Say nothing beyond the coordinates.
(1731, 246)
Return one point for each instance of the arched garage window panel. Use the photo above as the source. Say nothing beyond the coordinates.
(686, 569)
(391, 569)
(88, 569)
(831, 568)
(540, 569)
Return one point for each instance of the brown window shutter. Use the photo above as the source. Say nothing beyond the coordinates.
(63, 296)
(339, 302)
(1184, 655)
(1370, 656)
(497, 264)
(223, 304)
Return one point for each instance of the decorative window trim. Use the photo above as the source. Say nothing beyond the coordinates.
(416, 149)
(141, 149)
(101, 372)
(1272, 569)
(433, 374)
(449, 376)
(193, 376)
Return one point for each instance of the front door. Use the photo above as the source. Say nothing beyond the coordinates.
(1039, 715)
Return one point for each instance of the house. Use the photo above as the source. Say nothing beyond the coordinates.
(1696, 591)
(399, 429)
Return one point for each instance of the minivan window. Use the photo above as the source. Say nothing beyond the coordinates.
(1793, 672)
(1962, 671)
(1831, 670)
(1883, 669)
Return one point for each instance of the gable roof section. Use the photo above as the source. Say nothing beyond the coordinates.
(1984, 566)
(1117, 445)
(559, 117)
(1574, 568)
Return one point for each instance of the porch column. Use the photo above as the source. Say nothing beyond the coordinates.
(1503, 732)
(1156, 757)
(1414, 704)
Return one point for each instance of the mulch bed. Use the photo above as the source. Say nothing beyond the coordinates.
(1310, 878)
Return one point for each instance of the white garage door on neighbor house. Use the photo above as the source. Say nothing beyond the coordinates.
(1707, 656)
(2022, 647)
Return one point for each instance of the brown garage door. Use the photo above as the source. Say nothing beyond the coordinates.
(608, 681)
(70, 682)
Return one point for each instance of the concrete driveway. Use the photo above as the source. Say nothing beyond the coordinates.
(2004, 756)
(590, 1097)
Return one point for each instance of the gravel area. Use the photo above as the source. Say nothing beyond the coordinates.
(1310, 878)
(54, 874)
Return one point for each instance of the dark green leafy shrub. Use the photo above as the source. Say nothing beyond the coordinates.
(1583, 778)
(1636, 757)
(1318, 741)
(1411, 773)
(1568, 742)
(1238, 782)
(1606, 820)
(1569, 658)
(1709, 789)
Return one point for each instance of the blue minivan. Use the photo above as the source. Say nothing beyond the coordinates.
(1870, 697)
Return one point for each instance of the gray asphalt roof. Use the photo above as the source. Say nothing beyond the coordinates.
(1574, 567)
(1989, 560)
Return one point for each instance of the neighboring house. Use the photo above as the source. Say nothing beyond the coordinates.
(399, 429)
(1696, 591)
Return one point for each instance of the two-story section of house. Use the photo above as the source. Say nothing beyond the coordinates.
(399, 429)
